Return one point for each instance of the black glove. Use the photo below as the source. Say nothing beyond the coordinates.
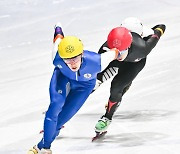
(159, 30)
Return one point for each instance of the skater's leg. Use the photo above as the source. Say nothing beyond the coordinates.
(57, 97)
(75, 99)
(119, 85)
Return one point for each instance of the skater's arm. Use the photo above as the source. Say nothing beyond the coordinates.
(108, 57)
(150, 42)
(105, 74)
(153, 39)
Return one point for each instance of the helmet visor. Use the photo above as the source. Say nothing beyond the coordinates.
(72, 60)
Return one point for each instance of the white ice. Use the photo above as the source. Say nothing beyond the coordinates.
(148, 120)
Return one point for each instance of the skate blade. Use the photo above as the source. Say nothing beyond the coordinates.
(99, 136)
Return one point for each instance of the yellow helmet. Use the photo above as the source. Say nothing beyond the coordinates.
(70, 46)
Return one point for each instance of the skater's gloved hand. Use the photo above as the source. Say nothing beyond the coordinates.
(98, 83)
(58, 30)
(159, 29)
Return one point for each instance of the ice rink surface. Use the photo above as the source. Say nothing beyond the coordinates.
(147, 121)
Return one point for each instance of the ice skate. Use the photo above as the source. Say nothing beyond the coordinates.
(34, 150)
(102, 124)
(101, 128)
(46, 151)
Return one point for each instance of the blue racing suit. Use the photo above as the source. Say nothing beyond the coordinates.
(63, 106)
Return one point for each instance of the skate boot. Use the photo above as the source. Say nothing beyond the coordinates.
(34, 150)
(102, 124)
(46, 151)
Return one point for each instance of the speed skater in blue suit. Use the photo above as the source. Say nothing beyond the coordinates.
(73, 80)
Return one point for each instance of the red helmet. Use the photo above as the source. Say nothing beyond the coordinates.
(120, 38)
